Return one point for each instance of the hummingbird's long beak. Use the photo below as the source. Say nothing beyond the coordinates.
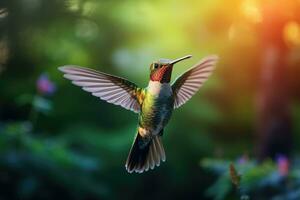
(180, 59)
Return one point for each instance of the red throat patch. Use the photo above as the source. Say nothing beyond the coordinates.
(162, 74)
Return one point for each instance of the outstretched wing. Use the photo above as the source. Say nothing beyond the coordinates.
(110, 88)
(186, 85)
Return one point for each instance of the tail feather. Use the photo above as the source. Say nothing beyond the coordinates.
(151, 160)
(144, 157)
(161, 148)
(156, 153)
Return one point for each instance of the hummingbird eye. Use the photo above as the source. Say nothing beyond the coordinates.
(155, 65)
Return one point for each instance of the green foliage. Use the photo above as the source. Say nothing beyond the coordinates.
(38, 159)
(278, 180)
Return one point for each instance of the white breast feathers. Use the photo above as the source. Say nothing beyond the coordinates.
(157, 88)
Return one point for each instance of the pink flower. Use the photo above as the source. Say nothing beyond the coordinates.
(283, 165)
(44, 85)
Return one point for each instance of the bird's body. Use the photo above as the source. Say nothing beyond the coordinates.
(154, 104)
(156, 108)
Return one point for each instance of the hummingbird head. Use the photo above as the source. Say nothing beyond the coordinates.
(161, 70)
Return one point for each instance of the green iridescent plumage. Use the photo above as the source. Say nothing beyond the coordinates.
(154, 108)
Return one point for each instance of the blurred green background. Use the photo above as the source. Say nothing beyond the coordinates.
(59, 142)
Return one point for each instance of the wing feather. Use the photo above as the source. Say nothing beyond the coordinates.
(186, 85)
(110, 88)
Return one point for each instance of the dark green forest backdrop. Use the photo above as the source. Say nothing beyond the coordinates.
(59, 142)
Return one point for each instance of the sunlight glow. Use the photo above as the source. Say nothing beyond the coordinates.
(291, 33)
(250, 10)
(232, 32)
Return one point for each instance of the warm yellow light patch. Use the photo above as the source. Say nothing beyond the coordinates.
(291, 33)
(232, 32)
(251, 11)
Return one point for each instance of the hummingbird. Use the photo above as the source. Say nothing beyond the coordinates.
(153, 104)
